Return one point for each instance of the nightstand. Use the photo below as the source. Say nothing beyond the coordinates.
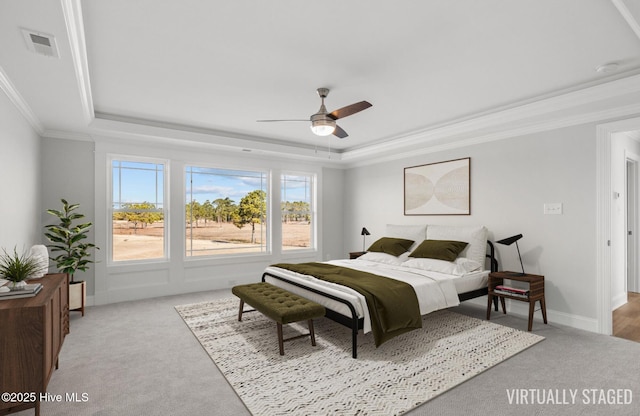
(356, 254)
(534, 294)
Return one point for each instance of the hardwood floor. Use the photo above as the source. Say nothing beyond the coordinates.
(626, 319)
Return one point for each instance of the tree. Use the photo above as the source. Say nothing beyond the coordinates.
(295, 211)
(223, 209)
(140, 213)
(193, 212)
(252, 210)
(207, 211)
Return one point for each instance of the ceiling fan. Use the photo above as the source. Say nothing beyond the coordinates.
(323, 123)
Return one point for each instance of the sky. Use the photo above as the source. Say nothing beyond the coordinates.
(142, 182)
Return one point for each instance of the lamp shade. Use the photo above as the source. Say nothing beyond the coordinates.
(509, 240)
(323, 127)
(364, 233)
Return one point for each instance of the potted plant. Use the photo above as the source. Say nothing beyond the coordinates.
(17, 268)
(68, 238)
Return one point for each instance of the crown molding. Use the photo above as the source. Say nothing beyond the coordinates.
(503, 123)
(72, 11)
(508, 121)
(592, 117)
(131, 129)
(630, 110)
(14, 96)
(628, 16)
(67, 135)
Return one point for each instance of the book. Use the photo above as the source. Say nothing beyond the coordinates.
(29, 290)
(512, 289)
(505, 292)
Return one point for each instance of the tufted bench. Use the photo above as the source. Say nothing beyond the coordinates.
(279, 305)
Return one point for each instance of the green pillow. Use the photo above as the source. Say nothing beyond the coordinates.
(393, 246)
(439, 249)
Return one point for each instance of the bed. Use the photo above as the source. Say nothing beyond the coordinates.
(438, 283)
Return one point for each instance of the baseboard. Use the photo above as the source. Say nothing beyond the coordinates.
(521, 309)
(619, 300)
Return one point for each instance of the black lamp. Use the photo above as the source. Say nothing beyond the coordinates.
(507, 242)
(364, 233)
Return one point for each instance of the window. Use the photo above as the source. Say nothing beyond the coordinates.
(225, 211)
(138, 210)
(297, 207)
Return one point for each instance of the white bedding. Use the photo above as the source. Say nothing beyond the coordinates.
(434, 290)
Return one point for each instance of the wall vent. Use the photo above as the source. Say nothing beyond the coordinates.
(41, 43)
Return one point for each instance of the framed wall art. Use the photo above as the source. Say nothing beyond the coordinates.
(442, 188)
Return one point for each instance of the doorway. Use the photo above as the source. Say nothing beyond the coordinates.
(626, 318)
(611, 234)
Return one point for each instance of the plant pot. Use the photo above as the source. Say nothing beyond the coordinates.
(77, 296)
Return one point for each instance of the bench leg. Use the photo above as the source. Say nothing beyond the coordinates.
(240, 312)
(312, 333)
(280, 339)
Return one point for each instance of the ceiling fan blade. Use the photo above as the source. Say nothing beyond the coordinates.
(338, 132)
(269, 121)
(349, 110)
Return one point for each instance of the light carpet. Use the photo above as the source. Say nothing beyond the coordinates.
(401, 374)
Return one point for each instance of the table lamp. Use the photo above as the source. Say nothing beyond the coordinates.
(507, 242)
(364, 233)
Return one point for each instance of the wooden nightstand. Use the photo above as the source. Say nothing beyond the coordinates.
(536, 292)
(355, 254)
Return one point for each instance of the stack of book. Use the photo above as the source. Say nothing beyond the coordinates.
(27, 291)
(511, 291)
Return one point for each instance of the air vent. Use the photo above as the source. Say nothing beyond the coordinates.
(40, 43)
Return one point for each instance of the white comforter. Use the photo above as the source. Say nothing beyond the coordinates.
(434, 290)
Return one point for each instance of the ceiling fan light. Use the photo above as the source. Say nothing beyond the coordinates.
(323, 127)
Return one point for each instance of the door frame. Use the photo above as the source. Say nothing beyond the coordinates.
(604, 197)
(631, 220)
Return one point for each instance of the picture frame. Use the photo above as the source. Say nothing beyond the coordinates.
(441, 188)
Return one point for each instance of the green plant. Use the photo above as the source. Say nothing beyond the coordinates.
(17, 267)
(68, 239)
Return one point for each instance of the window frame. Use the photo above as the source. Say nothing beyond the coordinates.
(313, 211)
(268, 190)
(111, 158)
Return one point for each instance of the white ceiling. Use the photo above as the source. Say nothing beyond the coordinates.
(202, 72)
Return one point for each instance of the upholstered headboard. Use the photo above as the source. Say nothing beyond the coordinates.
(478, 248)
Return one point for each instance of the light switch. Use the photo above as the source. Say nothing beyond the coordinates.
(554, 208)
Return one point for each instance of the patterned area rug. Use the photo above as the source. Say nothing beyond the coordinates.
(401, 374)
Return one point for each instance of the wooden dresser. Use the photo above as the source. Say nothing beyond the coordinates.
(31, 334)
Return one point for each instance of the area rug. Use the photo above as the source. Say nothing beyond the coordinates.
(401, 374)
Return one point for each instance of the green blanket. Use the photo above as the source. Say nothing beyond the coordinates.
(393, 305)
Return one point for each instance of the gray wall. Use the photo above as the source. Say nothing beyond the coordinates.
(332, 213)
(67, 172)
(20, 186)
(511, 180)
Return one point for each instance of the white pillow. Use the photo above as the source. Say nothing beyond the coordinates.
(385, 258)
(415, 233)
(459, 267)
(468, 265)
(476, 237)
